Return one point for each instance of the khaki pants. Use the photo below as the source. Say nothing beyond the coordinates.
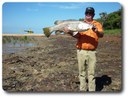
(86, 63)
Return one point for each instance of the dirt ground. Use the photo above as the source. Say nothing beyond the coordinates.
(51, 66)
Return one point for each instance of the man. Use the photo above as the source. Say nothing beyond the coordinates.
(87, 43)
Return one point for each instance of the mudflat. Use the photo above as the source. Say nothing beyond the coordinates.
(51, 66)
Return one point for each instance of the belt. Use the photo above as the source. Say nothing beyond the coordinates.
(87, 49)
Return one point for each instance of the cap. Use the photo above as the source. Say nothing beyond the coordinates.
(90, 10)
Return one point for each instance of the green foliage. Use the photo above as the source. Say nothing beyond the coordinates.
(16, 39)
(24, 39)
(103, 17)
(81, 19)
(114, 31)
(29, 31)
(113, 20)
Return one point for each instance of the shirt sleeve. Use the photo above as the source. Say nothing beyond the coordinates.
(100, 28)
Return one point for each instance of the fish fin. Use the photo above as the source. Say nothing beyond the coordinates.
(58, 22)
(61, 21)
(47, 32)
(58, 32)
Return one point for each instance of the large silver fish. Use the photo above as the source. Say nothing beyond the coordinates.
(72, 25)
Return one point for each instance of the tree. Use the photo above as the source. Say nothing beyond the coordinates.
(29, 31)
(114, 20)
(103, 17)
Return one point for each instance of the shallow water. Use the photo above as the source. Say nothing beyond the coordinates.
(13, 48)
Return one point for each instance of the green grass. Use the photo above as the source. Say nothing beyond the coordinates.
(113, 32)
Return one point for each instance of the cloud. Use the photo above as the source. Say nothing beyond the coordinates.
(68, 7)
(62, 5)
(71, 6)
(41, 4)
(32, 9)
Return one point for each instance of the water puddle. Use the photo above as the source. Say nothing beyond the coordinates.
(17, 47)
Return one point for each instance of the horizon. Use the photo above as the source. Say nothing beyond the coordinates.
(20, 16)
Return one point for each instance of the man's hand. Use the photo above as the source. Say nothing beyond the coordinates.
(95, 29)
(66, 30)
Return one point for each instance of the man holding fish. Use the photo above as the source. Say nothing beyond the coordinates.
(86, 50)
(87, 33)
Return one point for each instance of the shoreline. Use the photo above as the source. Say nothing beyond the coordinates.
(23, 35)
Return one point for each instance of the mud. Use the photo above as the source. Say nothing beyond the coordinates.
(51, 66)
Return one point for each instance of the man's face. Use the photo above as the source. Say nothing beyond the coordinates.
(89, 16)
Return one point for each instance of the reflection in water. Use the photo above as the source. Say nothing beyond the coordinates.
(13, 48)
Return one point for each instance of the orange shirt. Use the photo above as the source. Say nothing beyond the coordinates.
(88, 40)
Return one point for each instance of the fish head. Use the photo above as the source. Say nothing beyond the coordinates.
(85, 26)
(91, 26)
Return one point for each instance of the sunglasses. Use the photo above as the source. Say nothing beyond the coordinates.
(90, 13)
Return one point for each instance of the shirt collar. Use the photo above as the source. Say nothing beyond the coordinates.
(93, 21)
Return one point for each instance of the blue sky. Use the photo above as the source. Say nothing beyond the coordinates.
(20, 16)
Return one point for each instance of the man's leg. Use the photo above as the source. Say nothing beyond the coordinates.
(82, 69)
(91, 70)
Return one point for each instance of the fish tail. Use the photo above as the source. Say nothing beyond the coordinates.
(47, 32)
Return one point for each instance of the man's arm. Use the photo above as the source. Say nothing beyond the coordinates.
(100, 34)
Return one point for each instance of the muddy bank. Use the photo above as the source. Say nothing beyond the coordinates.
(51, 66)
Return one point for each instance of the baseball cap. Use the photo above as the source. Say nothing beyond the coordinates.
(90, 10)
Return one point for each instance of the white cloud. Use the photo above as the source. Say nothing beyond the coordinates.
(63, 5)
(41, 4)
(69, 6)
(32, 9)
